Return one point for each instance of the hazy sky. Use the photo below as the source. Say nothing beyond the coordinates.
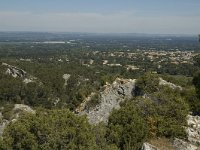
(101, 16)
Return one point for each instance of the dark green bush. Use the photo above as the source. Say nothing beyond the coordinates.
(126, 128)
(52, 129)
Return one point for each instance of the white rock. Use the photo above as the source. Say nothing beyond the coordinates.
(182, 145)
(66, 78)
(23, 108)
(26, 80)
(147, 146)
(171, 85)
(3, 124)
(193, 129)
(110, 99)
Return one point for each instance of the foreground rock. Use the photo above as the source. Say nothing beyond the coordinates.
(110, 99)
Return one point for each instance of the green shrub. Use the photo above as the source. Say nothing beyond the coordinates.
(126, 128)
(52, 129)
(7, 111)
(148, 83)
(165, 112)
(95, 100)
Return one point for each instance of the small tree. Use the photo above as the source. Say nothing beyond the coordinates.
(127, 129)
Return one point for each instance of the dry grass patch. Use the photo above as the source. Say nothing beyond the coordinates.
(162, 143)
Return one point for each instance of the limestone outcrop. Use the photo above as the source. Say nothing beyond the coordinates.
(66, 78)
(147, 146)
(193, 129)
(183, 145)
(110, 99)
(17, 72)
(193, 132)
(171, 85)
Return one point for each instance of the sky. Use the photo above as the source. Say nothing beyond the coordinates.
(101, 16)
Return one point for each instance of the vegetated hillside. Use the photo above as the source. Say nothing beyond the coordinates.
(156, 111)
(126, 103)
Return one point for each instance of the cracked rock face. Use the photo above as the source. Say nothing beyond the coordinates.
(110, 99)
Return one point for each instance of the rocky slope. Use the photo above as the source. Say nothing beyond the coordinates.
(110, 99)
(121, 89)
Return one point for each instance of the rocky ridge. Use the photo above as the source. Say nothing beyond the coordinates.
(110, 99)
(121, 89)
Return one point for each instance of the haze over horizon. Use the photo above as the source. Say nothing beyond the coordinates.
(92, 16)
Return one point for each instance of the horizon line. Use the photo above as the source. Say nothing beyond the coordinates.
(102, 33)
